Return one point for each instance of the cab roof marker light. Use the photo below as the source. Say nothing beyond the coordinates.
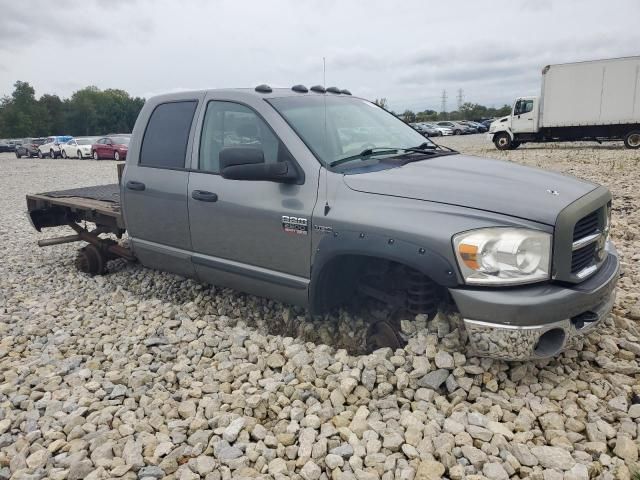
(335, 90)
(318, 89)
(300, 89)
(264, 88)
(344, 91)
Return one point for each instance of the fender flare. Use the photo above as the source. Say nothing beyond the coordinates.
(387, 247)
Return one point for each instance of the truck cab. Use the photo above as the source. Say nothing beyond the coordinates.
(510, 131)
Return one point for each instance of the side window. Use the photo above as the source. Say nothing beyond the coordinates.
(523, 106)
(528, 106)
(228, 124)
(165, 139)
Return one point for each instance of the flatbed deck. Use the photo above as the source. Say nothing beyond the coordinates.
(99, 204)
(75, 208)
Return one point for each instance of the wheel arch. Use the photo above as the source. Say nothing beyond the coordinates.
(339, 259)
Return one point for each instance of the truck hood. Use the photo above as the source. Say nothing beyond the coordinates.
(479, 183)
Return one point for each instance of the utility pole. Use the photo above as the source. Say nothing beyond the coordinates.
(460, 98)
(443, 107)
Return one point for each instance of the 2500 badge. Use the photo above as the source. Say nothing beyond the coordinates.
(297, 225)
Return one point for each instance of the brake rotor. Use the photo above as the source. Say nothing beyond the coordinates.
(383, 334)
(90, 260)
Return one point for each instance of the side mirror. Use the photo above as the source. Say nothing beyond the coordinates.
(248, 164)
(230, 157)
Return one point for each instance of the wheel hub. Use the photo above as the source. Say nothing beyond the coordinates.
(382, 334)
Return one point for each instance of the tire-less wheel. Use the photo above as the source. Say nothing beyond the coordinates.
(632, 139)
(64, 154)
(79, 154)
(95, 155)
(91, 260)
(502, 141)
(116, 155)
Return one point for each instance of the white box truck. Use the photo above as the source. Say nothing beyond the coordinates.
(596, 100)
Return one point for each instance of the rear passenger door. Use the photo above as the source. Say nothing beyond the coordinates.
(155, 184)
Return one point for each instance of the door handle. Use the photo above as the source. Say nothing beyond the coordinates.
(204, 196)
(133, 185)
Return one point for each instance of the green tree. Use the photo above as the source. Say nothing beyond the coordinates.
(89, 111)
(408, 116)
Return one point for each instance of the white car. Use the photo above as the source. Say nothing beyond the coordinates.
(445, 131)
(51, 146)
(77, 147)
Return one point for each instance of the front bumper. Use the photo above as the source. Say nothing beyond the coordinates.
(538, 321)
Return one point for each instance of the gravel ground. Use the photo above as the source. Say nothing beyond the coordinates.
(141, 374)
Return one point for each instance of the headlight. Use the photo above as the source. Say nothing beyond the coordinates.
(503, 256)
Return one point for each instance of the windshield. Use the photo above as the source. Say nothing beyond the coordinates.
(352, 125)
(120, 140)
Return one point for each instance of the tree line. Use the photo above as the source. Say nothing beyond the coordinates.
(467, 111)
(89, 111)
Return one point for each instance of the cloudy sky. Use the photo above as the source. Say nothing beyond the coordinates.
(407, 51)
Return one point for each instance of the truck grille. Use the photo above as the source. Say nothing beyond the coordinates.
(585, 256)
(586, 226)
(582, 258)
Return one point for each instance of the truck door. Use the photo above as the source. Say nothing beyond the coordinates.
(252, 236)
(154, 186)
(523, 120)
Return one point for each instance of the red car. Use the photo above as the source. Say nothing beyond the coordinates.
(115, 148)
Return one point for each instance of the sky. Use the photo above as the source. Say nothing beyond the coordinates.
(407, 51)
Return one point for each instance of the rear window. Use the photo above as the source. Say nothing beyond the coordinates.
(165, 140)
(121, 140)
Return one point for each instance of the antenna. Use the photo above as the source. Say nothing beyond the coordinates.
(324, 71)
(326, 183)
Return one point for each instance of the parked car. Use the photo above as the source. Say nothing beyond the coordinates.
(78, 148)
(424, 130)
(456, 128)
(444, 131)
(475, 126)
(29, 147)
(111, 147)
(482, 128)
(4, 146)
(51, 146)
(487, 123)
(431, 130)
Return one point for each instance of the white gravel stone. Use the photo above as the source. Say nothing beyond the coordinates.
(553, 457)
(232, 431)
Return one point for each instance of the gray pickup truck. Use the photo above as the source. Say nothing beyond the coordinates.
(311, 196)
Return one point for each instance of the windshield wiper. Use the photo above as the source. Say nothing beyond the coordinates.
(368, 152)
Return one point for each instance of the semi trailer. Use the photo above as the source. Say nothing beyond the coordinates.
(584, 101)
